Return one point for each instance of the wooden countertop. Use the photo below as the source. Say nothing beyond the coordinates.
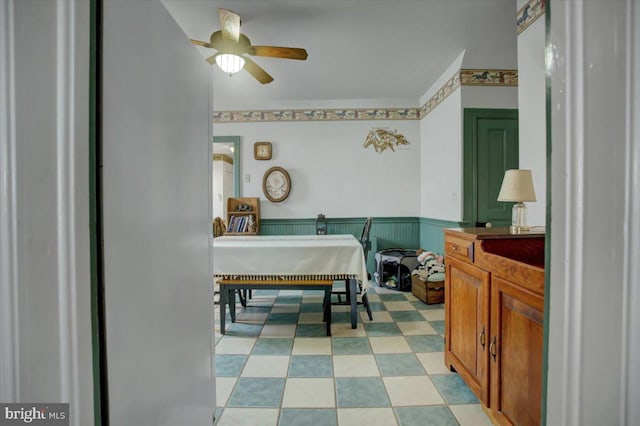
(501, 232)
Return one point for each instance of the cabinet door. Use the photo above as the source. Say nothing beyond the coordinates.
(515, 353)
(466, 324)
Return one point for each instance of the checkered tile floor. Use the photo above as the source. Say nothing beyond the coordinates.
(276, 366)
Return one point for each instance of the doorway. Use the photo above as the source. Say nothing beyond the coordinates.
(490, 147)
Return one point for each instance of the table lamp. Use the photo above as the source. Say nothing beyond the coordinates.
(517, 186)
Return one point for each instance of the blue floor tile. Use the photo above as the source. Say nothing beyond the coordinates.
(289, 300)
(257, 392)
(453, 389)
(308, 417)
(273, 346)
(283, 318)
(426, 343)
(311, 330)
(375, 307)
(382, 329)
(311, 366)
(426, 416)
(351, 346)
(438, 326)
(405, 316)
(400, 365)
(392, 297)
(340, 317)
(239, 329)
(361, 392)
(230, 365)
(311, 307)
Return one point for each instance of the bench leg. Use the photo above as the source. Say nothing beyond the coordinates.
(327, 309)
(223, 307)
(353, 292)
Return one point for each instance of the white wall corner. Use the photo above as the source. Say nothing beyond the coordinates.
(446, 75)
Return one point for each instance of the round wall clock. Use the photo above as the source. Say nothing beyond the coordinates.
(276, 184)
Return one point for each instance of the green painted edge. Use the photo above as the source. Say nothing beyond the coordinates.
(93, 210)
(235, 140)
(470, 155)
(547, 241)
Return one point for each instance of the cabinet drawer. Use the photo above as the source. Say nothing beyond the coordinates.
(459, 248)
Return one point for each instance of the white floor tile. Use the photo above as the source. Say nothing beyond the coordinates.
(390, 345)
(412, 390)
(249, 417)
(433, 362)
(312, 346)
(310, 318)
(235, 345)
(433, 314)
(470, 415)
(366, 416)
(343, 329)
(266, 366)
(309, 393)
(278, 330)
(252, 317)
(224, 387)
(412, 328)
(399, 306)
(378, 316)
(285, 309)
(355, 366)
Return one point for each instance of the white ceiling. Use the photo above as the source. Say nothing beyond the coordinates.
(359, 50)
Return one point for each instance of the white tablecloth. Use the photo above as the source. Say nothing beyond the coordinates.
(289, 257)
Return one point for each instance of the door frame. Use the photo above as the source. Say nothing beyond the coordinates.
(470, 158)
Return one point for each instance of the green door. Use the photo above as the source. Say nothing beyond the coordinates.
(491, 147)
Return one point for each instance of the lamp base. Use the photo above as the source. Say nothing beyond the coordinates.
(518, 229)
(519, 218)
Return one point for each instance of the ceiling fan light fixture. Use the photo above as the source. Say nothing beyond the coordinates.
(230, 63)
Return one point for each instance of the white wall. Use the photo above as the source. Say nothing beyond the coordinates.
(331, 172)
(157, 148)
(441, 161)
(532, 115)
(45, 322)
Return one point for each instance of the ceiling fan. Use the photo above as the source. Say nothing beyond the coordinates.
(233, 48)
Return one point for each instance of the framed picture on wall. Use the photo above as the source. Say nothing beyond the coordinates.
(262, 150)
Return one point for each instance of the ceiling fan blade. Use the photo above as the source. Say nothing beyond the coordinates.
(280, 52)
(200, 43)
(230, 24)
(212, 59)
(256, 71)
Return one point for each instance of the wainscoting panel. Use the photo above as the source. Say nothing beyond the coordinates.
(431, 235)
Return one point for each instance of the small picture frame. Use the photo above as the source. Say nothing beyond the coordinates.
(262, 151)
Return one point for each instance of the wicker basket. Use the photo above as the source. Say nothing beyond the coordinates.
(427, 291)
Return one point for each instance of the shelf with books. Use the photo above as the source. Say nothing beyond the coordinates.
(243, 216)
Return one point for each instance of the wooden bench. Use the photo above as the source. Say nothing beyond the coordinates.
(228, 287)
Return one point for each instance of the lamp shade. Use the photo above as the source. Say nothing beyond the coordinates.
(517, 185)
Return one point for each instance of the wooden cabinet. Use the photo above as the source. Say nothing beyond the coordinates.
(467, 324)
(494, 304)
(243, 216)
